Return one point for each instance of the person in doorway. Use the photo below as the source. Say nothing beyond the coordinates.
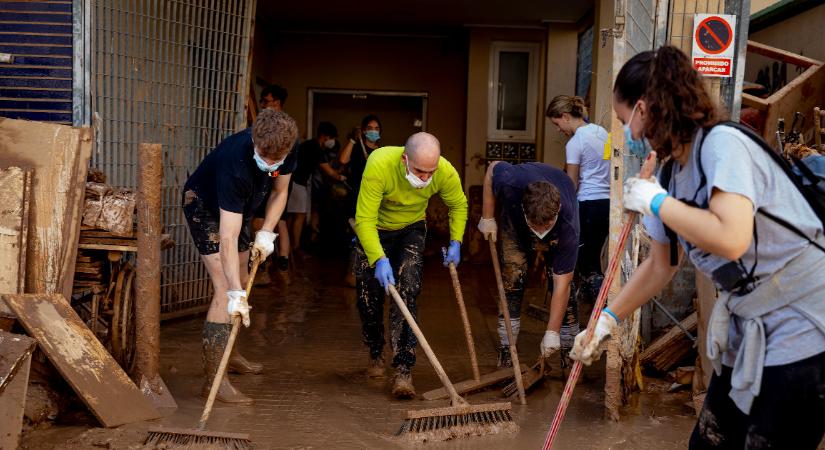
(274, 97)
(536, 206)
(590, 171)
(310, 156)
(731, 208)
(360, 144)
(219, 201)
(390, 226)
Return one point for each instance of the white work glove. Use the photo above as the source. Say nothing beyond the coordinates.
(264, 244)
(587, 352)
(488, 228)
(550, 343)
(238, 306)
(639, 193)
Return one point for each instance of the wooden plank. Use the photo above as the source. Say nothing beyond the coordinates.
(781, 55)
(91, 371)
(14, 191)
(464, 387)
(671, 346)
(76, 197)
(107, 241)
(58, 159)
(117, 248)
(15, 361)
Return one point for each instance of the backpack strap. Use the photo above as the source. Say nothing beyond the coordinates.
(664, 179)
(785, 167)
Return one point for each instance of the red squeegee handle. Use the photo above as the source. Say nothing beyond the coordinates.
(647, 171)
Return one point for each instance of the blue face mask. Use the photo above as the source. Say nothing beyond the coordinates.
(268, 168)
(372, 135)
(637, 147)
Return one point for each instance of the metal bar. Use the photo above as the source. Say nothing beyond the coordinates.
(732, 92)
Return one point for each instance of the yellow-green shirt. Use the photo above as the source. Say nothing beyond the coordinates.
(387, 201)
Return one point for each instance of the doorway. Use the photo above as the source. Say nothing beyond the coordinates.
(401, 113)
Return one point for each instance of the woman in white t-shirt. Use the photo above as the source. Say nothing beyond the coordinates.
(590, 173)
(744, 224)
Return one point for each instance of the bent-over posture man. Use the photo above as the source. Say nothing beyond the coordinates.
(390, 223)
(538, 211)
(219, 201)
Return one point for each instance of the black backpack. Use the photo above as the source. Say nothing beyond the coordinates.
(811, 185)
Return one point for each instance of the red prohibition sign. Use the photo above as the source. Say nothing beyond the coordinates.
(714, 35)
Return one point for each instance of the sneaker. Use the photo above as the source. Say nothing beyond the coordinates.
(504, 359)
(402, 387)
(375, 369)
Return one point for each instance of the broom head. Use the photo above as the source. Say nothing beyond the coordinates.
(455, 422)
(190, 438)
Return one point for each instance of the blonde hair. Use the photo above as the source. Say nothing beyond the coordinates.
(573, 105)
(274, 133)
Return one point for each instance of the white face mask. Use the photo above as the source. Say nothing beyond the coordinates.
(538, 235)
(329, 144)
(414, 180)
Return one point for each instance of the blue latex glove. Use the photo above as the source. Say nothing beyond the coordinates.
(452, 254)
(383, 272)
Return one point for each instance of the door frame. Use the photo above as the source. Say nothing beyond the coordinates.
(312, 91)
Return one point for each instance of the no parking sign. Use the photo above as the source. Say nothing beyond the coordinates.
(713, 36)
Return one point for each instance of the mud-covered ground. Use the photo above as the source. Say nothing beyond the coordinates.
(314, 394)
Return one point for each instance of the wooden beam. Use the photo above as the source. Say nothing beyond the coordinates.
(782, 55)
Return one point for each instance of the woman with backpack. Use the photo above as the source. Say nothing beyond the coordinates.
(744, 223)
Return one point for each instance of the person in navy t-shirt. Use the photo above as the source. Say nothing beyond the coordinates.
(536, 206)
(219, 200)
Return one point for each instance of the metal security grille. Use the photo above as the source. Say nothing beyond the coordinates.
(36, 60)
(168, 72)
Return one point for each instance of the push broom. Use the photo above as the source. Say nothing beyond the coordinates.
(646, 172)
(478, 381)
(458, 420)
(200, 437)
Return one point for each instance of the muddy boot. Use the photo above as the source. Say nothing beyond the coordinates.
(282, 270)
(504, 359)
(239, 364)
(375, 369)
(262, 278)
(349, 280)
(402, 387)
(215, 337)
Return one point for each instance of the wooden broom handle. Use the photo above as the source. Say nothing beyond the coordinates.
(236, 325)
(468, 333)
(502, 305)
(422, 341)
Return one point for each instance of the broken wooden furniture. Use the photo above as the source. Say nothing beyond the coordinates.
(15, 361)
(819, 129)
(15, 196)
(803, 93)
(81, 359)
(104, 290)
(59, 157)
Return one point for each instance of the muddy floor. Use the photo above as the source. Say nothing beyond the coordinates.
(314, 394)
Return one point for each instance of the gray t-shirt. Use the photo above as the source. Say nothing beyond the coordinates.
(734, 163)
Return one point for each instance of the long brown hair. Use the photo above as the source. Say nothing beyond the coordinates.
(677, 102)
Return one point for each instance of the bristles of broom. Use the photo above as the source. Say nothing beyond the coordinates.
(196, 440)
(443, 424)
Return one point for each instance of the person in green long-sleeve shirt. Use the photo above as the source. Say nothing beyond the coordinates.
(390, 225)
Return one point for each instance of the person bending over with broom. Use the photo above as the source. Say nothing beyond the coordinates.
(744, 224)
(390, 226)
(538, 211)
(219, 201)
